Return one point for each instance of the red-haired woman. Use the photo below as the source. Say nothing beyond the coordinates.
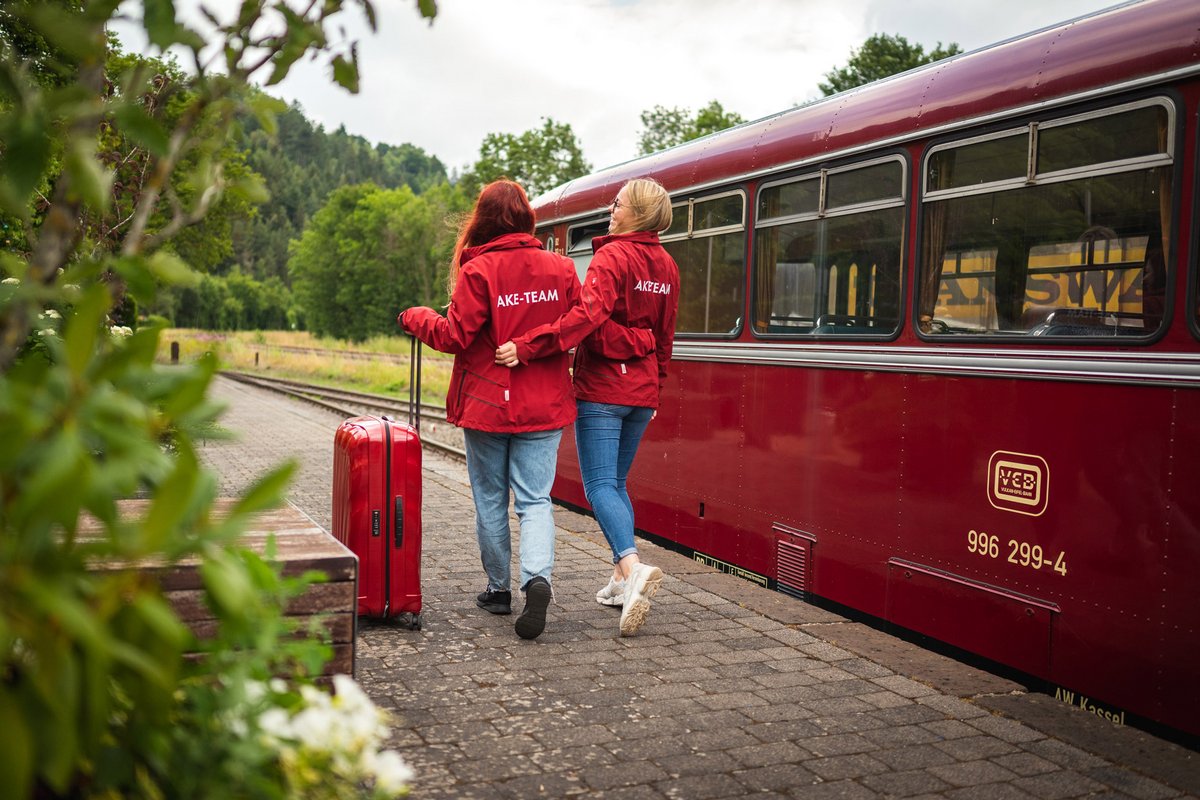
(501, 284)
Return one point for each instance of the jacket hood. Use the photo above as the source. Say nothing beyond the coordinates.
(507, 241)
(636, 237)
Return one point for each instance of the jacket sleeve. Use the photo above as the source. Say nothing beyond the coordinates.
(620, 343)
(597, 298)
(468, 313)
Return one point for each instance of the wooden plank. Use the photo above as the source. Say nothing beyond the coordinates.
(298, 545)
(318, 598)
(340, 626)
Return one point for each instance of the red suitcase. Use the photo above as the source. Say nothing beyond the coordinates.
(377, 505)
(377, 513)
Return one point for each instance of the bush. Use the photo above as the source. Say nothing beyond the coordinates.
(97, 698)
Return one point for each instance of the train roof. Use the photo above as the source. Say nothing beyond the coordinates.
(1130, 45)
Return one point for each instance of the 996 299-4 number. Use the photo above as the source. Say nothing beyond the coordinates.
(1022, 554)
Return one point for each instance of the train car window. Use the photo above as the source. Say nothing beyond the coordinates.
(828, 250)
(579, 243)
(707, 239)
(679, 221)
(1127, 136)
(857, 187)
(1001, 158)
(1076, 249)
(722, 212)
(790, 199)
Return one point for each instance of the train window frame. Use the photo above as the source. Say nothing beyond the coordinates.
(576, 250)
(1031, 130)
(690, 204)
(1166, 158)
(1192, 295)
(824, 212)
(692, 234)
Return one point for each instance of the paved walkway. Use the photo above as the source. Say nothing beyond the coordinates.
(728, 691)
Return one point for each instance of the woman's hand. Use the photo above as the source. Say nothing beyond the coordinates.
(506, 354)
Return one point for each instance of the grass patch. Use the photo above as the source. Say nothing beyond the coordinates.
(366, 367)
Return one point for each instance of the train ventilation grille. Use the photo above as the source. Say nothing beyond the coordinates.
(792, 568)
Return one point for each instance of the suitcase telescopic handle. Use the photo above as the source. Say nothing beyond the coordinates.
(414, 386)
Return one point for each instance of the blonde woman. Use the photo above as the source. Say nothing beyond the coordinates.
(633, 282)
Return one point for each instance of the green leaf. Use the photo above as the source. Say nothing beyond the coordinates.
(252, 187)
(192, 393)
(49, 491)
(345, 71)
(158, 616)
(267, 491)
(428, 9)
(76, 35)
(142, 129)
(83, 327)
(172, 270)
(92, 183)
(249, 13)
(160, 22)
(23, 159)
(16, 756)
(172, 502)
(227, 583)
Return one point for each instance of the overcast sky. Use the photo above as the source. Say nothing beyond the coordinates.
(499, 66)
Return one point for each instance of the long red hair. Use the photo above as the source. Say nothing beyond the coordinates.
(502, 208)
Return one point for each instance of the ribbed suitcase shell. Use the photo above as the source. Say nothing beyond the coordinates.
(377, 513)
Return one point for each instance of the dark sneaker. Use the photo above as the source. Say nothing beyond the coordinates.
(532, 621)
(495, 601)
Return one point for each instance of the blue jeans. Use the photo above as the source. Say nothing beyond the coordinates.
(524, 463)
(607, 437)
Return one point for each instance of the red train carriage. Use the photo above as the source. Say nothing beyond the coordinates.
(937, 356)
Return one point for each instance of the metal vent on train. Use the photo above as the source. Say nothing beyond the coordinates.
(792, 567)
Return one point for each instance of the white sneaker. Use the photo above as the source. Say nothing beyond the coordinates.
(640, 586)
(613, 594)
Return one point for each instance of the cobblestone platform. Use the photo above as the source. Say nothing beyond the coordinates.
(728, 691)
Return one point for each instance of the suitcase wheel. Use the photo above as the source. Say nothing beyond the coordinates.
(410, 621)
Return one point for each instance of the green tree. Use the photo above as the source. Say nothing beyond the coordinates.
(538, 159)
(880, 56)
(367, 254)
(96, 699)
(303, 164)
(666, 127)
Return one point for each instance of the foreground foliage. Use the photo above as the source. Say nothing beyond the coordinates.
(101, 172)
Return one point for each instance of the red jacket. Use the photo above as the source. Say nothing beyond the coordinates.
(505, 287)
(633, 282)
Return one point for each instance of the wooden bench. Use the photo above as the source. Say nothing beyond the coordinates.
(301, 545)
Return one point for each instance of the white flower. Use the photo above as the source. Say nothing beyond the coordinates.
(392, 775)
(275, 723)
(121, 331)
(255, 691)
(11, 282)
(50, 313)
(344, 732)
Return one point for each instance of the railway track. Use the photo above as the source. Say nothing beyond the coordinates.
(435, 431)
